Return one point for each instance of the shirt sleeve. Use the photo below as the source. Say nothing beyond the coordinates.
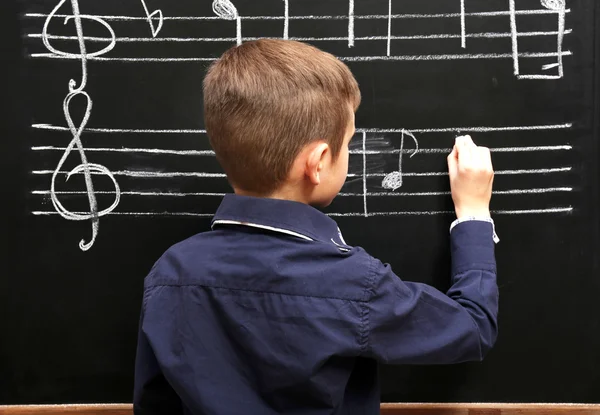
(152, 393)
(413, 323)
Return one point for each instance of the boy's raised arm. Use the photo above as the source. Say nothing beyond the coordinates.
(412, 323)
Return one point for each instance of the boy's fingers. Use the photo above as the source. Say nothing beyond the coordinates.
(464, 151)
(467, 140)
(485, 158)
(453, 160)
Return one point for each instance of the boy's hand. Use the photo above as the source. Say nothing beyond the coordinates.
(471, 178)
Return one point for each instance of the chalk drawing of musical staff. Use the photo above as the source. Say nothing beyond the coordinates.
(394, 180)
(150, 16)
(157, 187)
(86, 168)
(226, 10)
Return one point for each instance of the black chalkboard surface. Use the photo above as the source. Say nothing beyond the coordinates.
(518, 75)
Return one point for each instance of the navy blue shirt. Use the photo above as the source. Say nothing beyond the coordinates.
(271, 312)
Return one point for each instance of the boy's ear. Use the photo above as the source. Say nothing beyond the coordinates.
(316, 161)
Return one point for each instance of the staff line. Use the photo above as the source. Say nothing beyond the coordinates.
(358, 130)
(149, 174)
(353, 152)
(321, 17)
(566, 209)
(303, 39)
(342, 58)
(342, 194)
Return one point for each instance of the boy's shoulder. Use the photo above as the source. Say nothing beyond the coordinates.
(167, 268)
(265, 261)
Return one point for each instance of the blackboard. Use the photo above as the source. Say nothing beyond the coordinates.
(519, 76)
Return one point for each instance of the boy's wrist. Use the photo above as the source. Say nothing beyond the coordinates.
(472, 246)
(462, 213)
(483, 217)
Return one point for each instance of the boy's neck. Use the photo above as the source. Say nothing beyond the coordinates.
(294, 194)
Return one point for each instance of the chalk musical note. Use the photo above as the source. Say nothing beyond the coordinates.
(86, 168)
(226, 10)
(149, 15)
(560, 7)
(394, 180)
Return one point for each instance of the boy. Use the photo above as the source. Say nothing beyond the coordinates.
(272, 312)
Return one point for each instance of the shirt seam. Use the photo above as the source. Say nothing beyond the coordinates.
(365, 317)
(475, 267)
(258, 291)
(263, 227)
(260, 222)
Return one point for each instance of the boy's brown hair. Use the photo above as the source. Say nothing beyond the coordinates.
(265, 100)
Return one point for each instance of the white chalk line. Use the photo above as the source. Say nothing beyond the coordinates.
(319, 17)
(305, 39)
(539, 76)
(447, 212)
(470, 129)
(359, 152)
(134, 150)
(155, 174)
(513, 29)
(527, 55)
(448, 150)
(145, 174)
(205, 215)
(343, 194)
(498, 173)
(121, 130)
(359, 130)
(463, 30)
(389, 27)
(350, 214)
(286, 19)
(350, 23)
(474, 56)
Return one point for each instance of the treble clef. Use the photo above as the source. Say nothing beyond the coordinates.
(86, 168)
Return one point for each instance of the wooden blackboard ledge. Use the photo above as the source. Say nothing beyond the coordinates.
(488, 409)
(99, 409)
(386, 409)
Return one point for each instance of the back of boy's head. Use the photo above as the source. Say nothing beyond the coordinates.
(265, 100)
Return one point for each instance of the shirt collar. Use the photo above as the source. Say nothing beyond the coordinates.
(283, 216)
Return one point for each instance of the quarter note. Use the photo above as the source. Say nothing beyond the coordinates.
(394, 180)
(226, 10)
